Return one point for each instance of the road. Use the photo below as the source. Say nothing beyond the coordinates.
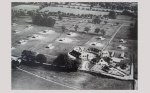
(112, 37)
(24, 81)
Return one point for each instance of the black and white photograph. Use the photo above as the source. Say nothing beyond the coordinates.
(74, 45)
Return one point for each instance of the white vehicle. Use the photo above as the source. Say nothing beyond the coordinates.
(101, 38)
(34, 36)
(22, 41)
(122, 41)
(16, 31)
(121, 47)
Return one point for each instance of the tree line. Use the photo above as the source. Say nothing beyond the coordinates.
(134, 31)
(31, 58)
(43, 20)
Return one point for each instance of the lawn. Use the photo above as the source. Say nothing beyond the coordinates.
(101, 43)
(123, 17)
(131, 45)
(38, 45)
(123, 32)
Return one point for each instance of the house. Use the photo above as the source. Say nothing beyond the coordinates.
(122, 41)
(122, 55)
(112, 54)
(105, 54)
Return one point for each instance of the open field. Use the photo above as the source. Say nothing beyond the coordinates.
(19, 78)
(25, 7)
(82, 80)
(75, 11)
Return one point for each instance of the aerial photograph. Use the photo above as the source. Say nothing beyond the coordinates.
(74, 45)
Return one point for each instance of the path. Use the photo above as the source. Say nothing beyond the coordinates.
(112, 38)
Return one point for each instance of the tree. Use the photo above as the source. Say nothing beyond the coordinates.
(63, 60)
(28, 57)
(44, 20)
(60, 17)
(97, 30)
(14, 64)
(96, 20)
(117, 23)
(50, 22)
(132, 18)
(63, 28)
(76, 27)
(112, 15)
(131, 24)
(128, 13)
(105, 16)
(103, 32)
(41, 58)
(86, 29)
(60, 61)
(134, 31)
(105, 22)
(53, 22)
(123, 63)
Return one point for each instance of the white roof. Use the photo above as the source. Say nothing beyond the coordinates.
(105, 51)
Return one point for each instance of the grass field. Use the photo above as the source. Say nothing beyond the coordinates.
(25, 7)
(82, 80)
(39, 45)
(75, 11)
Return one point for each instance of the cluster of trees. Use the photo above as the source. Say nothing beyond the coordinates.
(134, 31)
(128, 13)
(76, 27)
(96, 20)
(105, 22)
(19, 13)
(30, 58)
(15, 63)
(87, 29)
(97, 30)
(123, 63)
(63, 28)
(106, 5)
(112, 15)
(63, 14)
(36, 13)
(41, 4)
(43, 20)
(23, 3)
(63, 61)
(102, 31)
(113, 5)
